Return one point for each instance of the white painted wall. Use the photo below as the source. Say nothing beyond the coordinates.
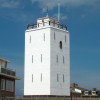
(60, 68)
(37, 47)
(49, 67)
(78, 90)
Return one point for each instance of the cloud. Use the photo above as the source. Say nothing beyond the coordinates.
(62, 16)
(9, 3)
(83, 16)
(66, 3)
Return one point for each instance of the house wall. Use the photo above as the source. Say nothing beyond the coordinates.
(5, 93)
(78, 90)
(0, 87)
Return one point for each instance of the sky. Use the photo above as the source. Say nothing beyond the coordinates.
(83, 21)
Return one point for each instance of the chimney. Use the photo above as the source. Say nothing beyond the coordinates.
(74, 85)
(94, 89)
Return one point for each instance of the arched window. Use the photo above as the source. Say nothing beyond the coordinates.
(60, 44)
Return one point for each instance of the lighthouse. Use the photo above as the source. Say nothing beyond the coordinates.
(47, 59)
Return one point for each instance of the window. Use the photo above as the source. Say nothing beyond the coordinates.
(9, 85)
(49, 22)
(3, 64)
(44, 37)
(41, 57)
(32, 77)
(63, 78)
(60, 44)
(57, 78)
(54, 36)
(57, 58)
(58, 26)
(63, 60)
(93, 92)
(65, 38)
(2, 84)
(54, 23)
(38, 25)
(41, 77)
(43, 22)
(30, 39)
(32, 58)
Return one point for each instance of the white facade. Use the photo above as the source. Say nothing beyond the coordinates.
(47, 59)
(78, 90)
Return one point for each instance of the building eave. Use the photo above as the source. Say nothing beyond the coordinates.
(9, 76)
(4, 60)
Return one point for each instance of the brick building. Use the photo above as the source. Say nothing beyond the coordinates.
(77, 91)
(7, 79)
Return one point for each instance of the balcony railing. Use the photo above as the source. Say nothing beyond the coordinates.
(8, 71)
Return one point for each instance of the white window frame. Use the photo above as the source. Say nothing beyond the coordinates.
(3, 88)
(10, 85)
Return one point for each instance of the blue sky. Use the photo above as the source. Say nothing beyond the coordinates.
(83, 20)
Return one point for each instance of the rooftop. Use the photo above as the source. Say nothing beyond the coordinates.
(4, 60)
(47, 21)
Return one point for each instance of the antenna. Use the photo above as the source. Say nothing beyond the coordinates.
(59, 12)
(47, 9)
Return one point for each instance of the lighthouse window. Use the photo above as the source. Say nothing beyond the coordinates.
(57, 58)
(30, 39)
(32, 77)
(57, 77)
(63, 78)
(41, 77)
(54, 35)
(41, 57)
(65, 38)
(63, 60)
(44, 37)
(32, 58)
(49, 22)
(60, 44)
(38, 25)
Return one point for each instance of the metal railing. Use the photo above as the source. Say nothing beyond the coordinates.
(60, 26)
(8, 71)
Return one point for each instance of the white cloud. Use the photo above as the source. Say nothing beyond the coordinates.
(62, 16)
(66, 3)
(83, 16)
(9, 3)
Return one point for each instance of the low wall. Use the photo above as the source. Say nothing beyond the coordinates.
(50, 98)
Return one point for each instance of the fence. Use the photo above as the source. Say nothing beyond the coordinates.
(50, 98)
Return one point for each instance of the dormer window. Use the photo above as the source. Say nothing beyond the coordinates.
(86, 93)
(93, 92)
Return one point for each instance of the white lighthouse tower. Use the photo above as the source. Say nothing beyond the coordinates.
(47, 59)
